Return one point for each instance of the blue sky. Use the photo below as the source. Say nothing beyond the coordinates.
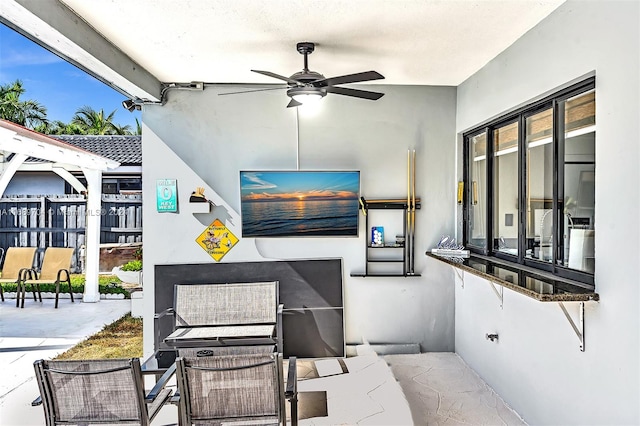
(59, 86)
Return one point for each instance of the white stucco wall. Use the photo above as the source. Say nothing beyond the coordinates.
(202, 139)
(537, 366)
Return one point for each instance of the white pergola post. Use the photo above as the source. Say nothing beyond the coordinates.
(92, 235)
(92, 238)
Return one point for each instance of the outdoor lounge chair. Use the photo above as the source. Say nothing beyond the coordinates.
(238, 314)
(97, 391)
(247, 389)
(19, 260)
(54, 270)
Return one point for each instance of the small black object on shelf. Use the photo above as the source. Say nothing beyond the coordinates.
(197, 196)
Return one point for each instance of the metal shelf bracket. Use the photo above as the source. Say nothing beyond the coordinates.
(578, 329)
(500, 293)
(460, 275)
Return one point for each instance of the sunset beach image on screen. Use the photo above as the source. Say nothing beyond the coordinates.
(299, 203)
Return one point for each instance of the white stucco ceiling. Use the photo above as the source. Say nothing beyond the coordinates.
(431, 42)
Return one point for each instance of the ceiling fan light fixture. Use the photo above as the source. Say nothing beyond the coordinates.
(306, 95)
(307, 98)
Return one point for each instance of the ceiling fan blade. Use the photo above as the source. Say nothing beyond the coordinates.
(279, 77)
(363, 94)
(293, 103)
(253, 90)
(349, 78)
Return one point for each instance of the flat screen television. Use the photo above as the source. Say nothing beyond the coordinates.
(299, 203)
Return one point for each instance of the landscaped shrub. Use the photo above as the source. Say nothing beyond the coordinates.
(132, 265)
(107, 284)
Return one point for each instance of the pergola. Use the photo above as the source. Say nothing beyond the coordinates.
(62, 158)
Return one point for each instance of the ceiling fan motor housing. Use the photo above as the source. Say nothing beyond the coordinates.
(307, 77)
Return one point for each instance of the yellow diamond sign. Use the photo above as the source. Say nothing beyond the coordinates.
(217, 240)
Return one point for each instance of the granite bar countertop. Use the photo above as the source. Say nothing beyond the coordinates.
(536, 286)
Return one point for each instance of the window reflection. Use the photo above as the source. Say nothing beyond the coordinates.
(505, 189)
(578, 224)
(539, 184)
(477, 191)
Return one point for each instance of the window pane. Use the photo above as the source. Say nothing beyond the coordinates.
(477, 191)
(579, 183)
(539, 185)
(505, 189)
(109, 187)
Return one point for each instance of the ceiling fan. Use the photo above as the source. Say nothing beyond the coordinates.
(307, 85)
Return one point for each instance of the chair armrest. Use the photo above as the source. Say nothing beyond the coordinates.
(36, 402)
(153, 393)
(175, 398)
(291, 390)
(22, 275)
(157, 316)
(168, 311)
(60, 271)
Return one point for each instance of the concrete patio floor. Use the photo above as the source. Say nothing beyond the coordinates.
(38, 331)
(437, 388)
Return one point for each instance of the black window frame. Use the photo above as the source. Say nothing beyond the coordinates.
(554, 101)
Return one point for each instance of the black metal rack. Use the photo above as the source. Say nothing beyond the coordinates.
(406, 247)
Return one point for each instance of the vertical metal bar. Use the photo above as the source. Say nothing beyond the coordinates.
(522, 189)
(413, 214)
(558, 181)
(466, 195)
(582, 338)
(490, 191)
(298, 138)
(407, 232)
(366, 241)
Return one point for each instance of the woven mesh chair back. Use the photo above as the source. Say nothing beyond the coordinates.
(94, 391)
(226, 304)
(17, 258)
(55, 259)
(248, 388)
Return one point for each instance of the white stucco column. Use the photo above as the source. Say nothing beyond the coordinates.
(92, 235)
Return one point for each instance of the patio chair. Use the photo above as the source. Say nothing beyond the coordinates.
(236, 389)
(19, 260)
(109, 391)
(55, 270)
(237, 314)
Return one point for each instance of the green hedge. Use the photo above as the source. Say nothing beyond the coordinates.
(107, 284)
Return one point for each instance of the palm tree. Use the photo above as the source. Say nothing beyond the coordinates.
(27, 113)
(122, 130)
(138, 127)
(94, 122)
(59, 128)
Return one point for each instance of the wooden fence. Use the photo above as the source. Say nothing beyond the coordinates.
(60, 221)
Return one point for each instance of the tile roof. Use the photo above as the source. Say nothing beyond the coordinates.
(125, 149)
